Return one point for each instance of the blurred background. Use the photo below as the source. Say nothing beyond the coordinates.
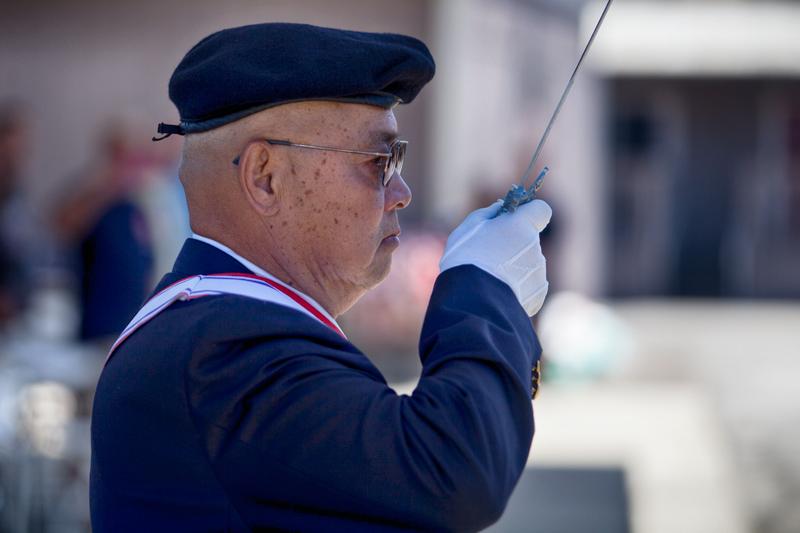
(672, 329)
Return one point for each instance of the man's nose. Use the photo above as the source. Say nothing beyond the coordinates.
(398, 194)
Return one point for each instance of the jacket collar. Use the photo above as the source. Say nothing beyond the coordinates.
(197, 257)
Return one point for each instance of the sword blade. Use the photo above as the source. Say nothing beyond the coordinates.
(532, 166)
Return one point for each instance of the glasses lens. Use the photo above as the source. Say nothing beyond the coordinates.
(401, 155)
(395, 162)
(388, 170)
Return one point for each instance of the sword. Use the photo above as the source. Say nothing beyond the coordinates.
(520, 194)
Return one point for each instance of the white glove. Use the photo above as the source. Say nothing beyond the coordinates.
(506, 247)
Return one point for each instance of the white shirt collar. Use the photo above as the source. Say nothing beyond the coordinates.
(255, 269)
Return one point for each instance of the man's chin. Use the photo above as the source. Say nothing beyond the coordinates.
(380, 270)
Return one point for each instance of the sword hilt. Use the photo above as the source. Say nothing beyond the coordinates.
(518, 195)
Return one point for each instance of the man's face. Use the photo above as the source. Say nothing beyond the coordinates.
(335, 211)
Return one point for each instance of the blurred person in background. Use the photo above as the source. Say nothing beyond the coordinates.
(17, 242)
(233, 401)
(106, 232)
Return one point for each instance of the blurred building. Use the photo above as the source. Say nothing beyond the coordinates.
(501, 66)
(675, 163)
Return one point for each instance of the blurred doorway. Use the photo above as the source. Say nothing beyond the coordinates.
(703, 186)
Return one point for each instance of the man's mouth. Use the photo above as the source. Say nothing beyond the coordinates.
(392, 239)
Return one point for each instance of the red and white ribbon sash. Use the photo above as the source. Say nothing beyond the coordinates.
(247, 285)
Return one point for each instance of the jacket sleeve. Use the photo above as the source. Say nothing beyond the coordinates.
(301, 419)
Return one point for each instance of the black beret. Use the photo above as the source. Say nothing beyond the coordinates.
(239, 71)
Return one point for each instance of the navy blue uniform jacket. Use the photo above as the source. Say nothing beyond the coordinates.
(227, 413)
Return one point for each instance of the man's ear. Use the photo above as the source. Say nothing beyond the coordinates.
(258, 178)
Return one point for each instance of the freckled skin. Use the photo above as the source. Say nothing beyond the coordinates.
(339, 226)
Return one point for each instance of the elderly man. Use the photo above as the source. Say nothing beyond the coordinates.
(233, 401)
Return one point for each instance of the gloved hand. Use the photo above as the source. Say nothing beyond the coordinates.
(506, 247)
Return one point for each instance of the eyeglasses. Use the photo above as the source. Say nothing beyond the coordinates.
(394, 157)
